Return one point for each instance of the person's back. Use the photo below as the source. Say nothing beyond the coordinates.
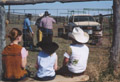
(47, 25)
(76, 55)
(25, 23)
(78, 58)
(47, 22)
(46, 61)
(46, 64)
(11, 58)
(14, 58)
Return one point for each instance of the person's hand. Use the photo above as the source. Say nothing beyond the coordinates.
(32, 33)
(36, 66)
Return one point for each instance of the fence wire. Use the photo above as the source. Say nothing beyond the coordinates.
(16, 18)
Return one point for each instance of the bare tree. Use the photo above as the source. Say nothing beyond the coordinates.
(115, 49)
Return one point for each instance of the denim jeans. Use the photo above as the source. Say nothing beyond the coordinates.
(47, 78)
(22, 78)
(47, 34)
(46, 31)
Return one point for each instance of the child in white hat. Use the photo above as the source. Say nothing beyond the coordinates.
(75, 58)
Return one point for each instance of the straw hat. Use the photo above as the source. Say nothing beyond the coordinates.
(41, 14)
(49, 48)
(79, 35)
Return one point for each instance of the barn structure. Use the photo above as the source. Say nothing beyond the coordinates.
(115, 50)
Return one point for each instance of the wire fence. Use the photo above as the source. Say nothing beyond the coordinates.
(16, 17)
(18, 14)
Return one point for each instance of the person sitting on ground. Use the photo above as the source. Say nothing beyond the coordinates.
(46, 61)
(76, 56)
(14, 58)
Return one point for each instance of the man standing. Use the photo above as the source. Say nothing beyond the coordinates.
(47, 25)
(39, 33)
(27, 37)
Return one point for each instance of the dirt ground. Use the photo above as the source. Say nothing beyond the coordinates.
(97, 62)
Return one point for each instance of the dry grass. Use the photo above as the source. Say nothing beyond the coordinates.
(97, 63)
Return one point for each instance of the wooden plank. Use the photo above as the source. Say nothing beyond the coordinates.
(23, 2)
(2, 35)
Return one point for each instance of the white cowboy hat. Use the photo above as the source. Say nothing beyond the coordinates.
(79, 35)
(41, 14)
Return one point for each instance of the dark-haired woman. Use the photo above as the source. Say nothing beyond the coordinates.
(14, 58)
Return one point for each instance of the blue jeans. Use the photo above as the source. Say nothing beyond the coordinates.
(22, 78)
(47, 35)
(27, 38)
(65, 72)
(47, 78)
(46, 32)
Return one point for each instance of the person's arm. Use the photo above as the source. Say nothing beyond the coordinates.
(28, 25)
(56, 64)
(67, 56)
(24, 54)
(24, 62)
(36, 66)
(65, 61)
(53, 20)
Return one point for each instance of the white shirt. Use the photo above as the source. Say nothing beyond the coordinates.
(46, 64)
(78, 58)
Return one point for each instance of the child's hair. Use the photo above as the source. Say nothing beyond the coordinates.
(14, 33)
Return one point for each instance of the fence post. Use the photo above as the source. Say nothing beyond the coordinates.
(2, 35)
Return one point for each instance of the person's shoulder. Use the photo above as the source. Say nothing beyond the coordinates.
(23, 48)
(49, 17)
(26, 19)
(54, 54)
(6, 47)
(15, 46)
(43, 18)
(85, 46)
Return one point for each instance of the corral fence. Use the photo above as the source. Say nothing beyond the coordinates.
(16, 17)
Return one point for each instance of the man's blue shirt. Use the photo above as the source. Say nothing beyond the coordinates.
(27, 24)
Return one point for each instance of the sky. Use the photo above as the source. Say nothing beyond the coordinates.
(60, 9)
